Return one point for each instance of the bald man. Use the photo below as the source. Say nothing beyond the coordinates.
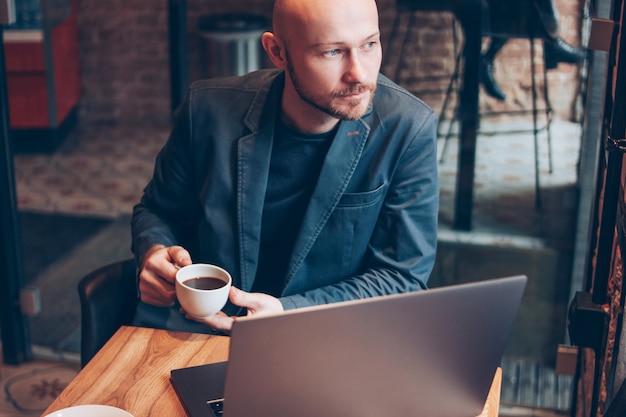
(312, 183)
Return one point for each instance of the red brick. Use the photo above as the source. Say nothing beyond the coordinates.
(125, 57)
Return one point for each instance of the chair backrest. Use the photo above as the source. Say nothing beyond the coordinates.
(108, 299)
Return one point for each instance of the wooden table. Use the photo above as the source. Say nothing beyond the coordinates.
(132, 372)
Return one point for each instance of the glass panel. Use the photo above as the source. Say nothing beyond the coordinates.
(28, 14)
(32, 14)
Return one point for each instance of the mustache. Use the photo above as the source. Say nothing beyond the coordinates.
(356, 89)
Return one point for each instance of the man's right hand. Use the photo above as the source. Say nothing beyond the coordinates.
(158, 274)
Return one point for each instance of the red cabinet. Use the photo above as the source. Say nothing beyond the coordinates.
(43, 82)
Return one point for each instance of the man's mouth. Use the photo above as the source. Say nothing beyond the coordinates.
(356, 91)
(353, 94)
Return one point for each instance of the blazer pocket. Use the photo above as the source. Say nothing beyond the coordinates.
(354, 200)
(344, 240)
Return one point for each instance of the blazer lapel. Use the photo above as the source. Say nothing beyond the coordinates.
(253, 160)
(339, 165)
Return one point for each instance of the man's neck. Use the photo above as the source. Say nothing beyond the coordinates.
(304, 117)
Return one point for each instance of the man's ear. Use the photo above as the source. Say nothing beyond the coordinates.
(274, 47)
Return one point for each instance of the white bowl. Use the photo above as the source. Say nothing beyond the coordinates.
(91, 410)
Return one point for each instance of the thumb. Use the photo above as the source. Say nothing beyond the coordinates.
(238, 297)
(179, 255)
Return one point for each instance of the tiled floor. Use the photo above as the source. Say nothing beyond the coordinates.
(504, 185)
(101, 170)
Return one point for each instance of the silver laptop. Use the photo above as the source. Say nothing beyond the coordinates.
(425, 353)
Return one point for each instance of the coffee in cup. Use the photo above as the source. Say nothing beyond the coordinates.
(205, 283)
(202, 289)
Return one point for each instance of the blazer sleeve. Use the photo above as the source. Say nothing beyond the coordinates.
(166, 209)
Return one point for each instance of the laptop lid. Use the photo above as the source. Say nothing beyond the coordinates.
(424, 353)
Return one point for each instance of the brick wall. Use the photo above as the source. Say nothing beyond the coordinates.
(125, 64)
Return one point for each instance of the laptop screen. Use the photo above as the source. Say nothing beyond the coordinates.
(426, 353)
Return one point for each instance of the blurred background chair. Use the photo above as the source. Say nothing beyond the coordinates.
(513, 20)
(108, 298)
(433, 82)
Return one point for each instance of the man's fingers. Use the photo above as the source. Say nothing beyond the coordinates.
(158, 268)
(156, 291)
(179, 255)
(156, 301)
(154, 278)
(219, 321)
(151, 296)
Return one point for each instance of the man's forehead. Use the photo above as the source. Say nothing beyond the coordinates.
(330, 22)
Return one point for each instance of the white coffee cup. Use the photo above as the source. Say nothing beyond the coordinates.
(202, 289)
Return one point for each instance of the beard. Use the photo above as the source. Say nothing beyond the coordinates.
(335, 105)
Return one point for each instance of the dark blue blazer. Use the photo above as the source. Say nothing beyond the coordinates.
(370, 228)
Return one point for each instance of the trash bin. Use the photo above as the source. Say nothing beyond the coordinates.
(231, 43)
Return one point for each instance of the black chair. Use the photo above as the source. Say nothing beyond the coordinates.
(108, 298)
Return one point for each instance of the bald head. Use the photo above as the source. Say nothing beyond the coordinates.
(293, 19)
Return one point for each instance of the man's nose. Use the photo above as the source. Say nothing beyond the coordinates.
(356, 70)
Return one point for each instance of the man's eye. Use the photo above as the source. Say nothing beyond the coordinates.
(332, 52)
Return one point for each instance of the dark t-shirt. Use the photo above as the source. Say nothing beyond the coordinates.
(295, 164)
